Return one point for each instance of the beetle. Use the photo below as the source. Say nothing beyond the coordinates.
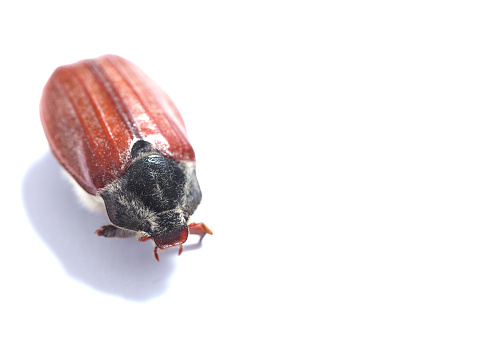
(122, 139)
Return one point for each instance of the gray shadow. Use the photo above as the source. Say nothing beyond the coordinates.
(122, 267)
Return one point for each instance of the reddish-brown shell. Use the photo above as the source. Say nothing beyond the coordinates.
(94, 110)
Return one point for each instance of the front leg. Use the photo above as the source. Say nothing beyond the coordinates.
(199, 229)
(110, 231)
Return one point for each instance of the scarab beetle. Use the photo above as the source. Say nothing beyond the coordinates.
(123, 141)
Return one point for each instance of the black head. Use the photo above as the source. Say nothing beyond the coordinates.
(173, 229)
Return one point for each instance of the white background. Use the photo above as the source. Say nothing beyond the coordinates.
(349, 154)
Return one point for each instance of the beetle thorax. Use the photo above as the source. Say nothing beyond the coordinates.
(155, 197)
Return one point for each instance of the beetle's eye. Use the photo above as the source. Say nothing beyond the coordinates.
(146, 227)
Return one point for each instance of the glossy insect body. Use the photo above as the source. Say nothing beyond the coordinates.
(122, 139)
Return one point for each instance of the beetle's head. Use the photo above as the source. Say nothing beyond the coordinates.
(171, 229)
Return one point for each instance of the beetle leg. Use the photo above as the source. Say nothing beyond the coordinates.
(156, 254)
(199, 229)
(110, 231)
